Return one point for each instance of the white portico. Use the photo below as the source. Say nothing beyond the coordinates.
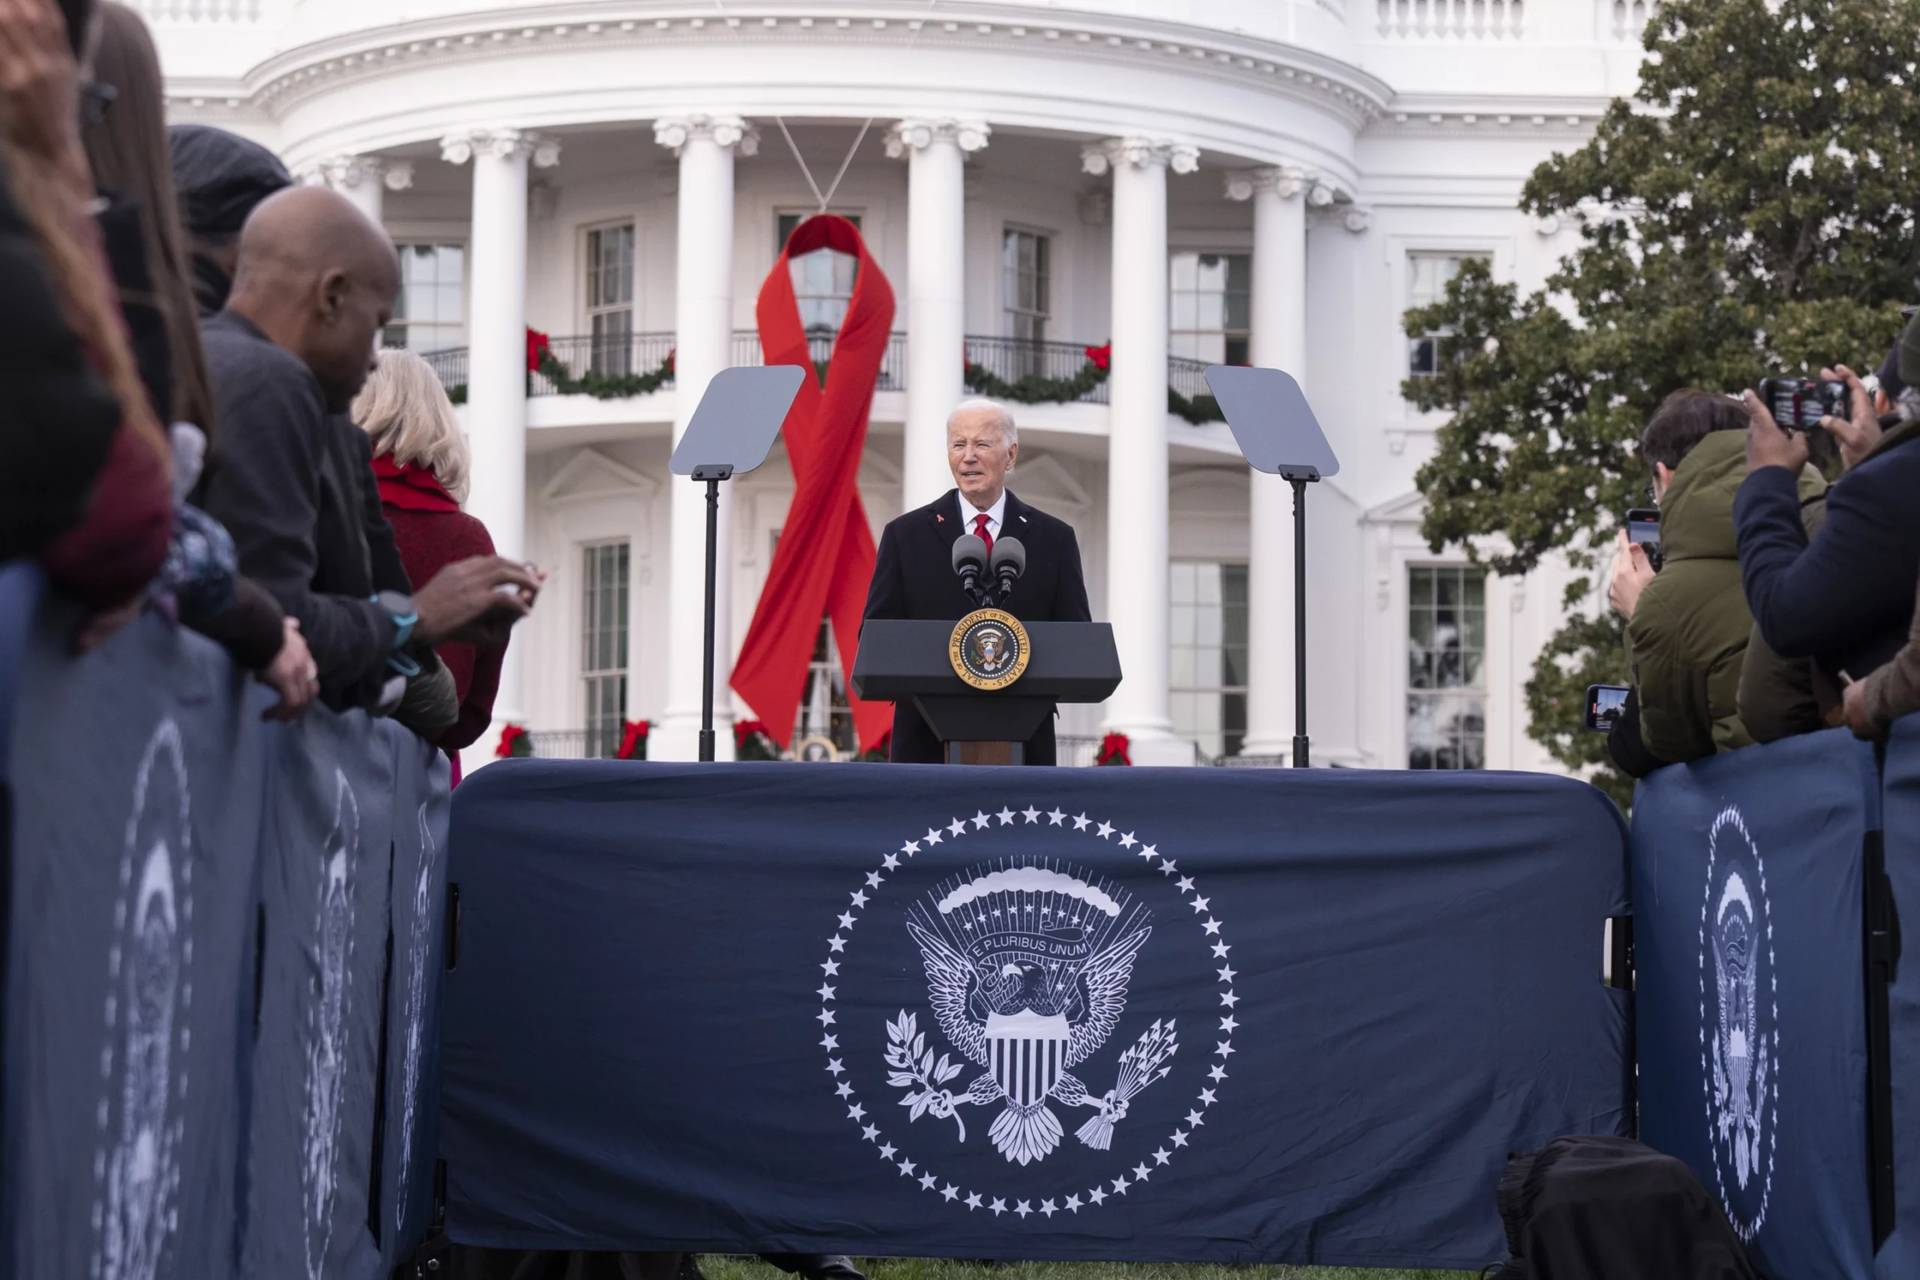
(1151, 187)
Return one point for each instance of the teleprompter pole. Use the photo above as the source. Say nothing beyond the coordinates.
(713, 476)
(1299, 622)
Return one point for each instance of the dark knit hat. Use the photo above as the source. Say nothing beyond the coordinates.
(1907, 353)
(221, 177)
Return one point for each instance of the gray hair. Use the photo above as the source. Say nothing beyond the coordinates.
(405, 410)
(1009, 433)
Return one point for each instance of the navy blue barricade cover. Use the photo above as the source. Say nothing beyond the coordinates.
(138, 773)
(1900, 1255)
(1751, 1017)
(411, 1130)
(326, 862)
(1129, 1014)
(20, 586)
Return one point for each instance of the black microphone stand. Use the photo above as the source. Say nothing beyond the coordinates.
(712, 475)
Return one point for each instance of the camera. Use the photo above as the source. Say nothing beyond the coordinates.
(1798, 404)
(1606, 703)
(1643, 527)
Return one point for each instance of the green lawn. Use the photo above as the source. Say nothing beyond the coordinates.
(719, 1268)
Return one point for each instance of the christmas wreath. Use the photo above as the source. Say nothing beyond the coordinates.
(633, 740)
(1113, 750)
(515, 743)
(753, 741)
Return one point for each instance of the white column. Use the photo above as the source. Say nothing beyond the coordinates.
(497, 353)
(1279, 341)
(1137, 538)
(936, 292)
(365, 180)
(703, 337)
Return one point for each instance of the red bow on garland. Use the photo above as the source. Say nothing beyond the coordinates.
(1101, 357)
(824, 561)
(538, 345)
(513, 742)
(1113, 750)
(633, 742)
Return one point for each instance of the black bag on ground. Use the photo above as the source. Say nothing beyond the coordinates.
(1612, 1209)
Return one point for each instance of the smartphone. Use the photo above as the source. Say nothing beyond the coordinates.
(1606, 703)
(1798, 404)
(1643, 527)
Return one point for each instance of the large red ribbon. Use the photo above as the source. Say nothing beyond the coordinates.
(825, 556)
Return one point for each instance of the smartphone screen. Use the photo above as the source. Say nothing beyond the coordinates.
(1605, 704)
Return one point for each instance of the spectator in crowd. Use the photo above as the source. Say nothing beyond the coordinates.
(86, 486)
(1845, 597)
(314, 285)
(1687, 625)
(126, 148)
(421, 460)
(1889, 692)
(220, 178)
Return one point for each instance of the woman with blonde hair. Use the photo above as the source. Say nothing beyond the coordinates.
(421, 460)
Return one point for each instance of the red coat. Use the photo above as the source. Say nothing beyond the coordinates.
(432, 532)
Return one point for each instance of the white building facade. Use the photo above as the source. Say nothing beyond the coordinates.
(1190, 181)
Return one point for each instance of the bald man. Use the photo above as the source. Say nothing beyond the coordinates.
(290, 478)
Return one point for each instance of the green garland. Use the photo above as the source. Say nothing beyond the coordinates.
(601, 386)
(1197, 410)
(1033, 389)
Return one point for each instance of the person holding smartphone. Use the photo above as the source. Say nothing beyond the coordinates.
(1680, 596)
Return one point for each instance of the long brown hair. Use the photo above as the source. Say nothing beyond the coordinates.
(127, 151)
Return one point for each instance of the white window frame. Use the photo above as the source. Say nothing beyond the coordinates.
(401, 244)
(859, 219)
(1009, 309)
(1226, 335)
(622, 362)
(1216, 689)
(600, 740)
(1483, 691)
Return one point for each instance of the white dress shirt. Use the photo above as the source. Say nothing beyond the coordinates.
(996, 514)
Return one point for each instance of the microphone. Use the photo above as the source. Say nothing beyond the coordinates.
(1009, 562)
(970, 561)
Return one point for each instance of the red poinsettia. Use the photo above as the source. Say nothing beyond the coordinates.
(1113, 750)
(538, 347)
(1101, 357)
(513, 742)
(633, 742)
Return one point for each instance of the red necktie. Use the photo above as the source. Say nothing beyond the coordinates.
(980, 527)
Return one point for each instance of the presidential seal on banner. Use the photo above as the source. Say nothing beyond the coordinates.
(1739, 1023)
(989, 649)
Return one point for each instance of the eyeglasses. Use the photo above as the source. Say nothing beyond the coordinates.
(96, 99)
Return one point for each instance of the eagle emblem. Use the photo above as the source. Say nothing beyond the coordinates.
(1739, 1051)
(1027, 969)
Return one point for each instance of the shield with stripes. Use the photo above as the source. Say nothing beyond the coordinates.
(1027, 1052)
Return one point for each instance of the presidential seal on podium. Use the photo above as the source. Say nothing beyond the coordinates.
(989, 649)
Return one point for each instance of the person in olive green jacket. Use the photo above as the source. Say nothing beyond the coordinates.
(1688, 626)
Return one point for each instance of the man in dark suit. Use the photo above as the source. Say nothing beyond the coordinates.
(913, 576)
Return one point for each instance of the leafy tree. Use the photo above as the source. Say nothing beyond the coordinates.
(1749, 211)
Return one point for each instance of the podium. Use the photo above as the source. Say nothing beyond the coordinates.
(906, 660)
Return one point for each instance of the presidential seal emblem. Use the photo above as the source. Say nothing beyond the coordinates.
(1028, 927)
(143, 1063)
(988, 649)
(329, 992)
(1739, 1023)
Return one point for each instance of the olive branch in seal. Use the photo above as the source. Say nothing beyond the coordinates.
(914, 1068)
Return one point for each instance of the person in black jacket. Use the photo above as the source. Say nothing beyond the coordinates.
(220, 178)
(913, 575)
(290, 477)
(1845, 598)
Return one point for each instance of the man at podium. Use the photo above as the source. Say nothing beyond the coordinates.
(913, 575)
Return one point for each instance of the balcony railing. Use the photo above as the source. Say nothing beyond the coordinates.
(1003, 368)
(581, 744)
